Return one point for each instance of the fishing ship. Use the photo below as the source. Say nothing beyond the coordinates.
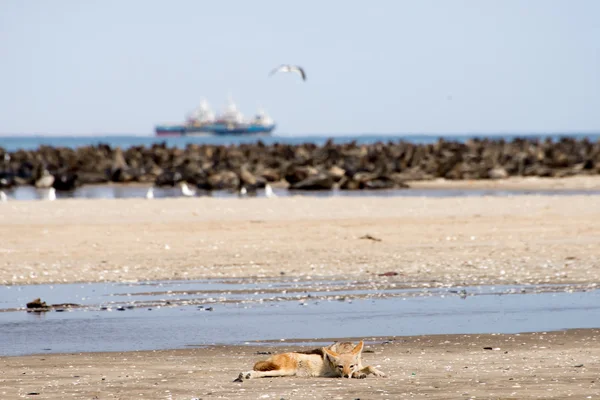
(203, 121)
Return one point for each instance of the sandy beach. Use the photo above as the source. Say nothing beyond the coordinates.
(428, 241)
(461, 240)
(423, 181)
(587, 182)
(553, 365)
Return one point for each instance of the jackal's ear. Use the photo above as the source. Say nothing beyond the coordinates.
(330, 353)
(358, 348)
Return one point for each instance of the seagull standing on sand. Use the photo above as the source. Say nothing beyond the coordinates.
(51, 194)
(186, 191)
(3, 196)
(269, 191)
(150, 193)
(290, 68)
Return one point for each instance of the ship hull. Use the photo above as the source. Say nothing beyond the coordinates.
(214, 130)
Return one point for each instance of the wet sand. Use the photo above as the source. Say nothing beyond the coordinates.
(553, 365)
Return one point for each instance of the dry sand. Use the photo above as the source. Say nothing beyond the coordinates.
(428, 241)
(553, 365)
(521, 239)
(580, 182)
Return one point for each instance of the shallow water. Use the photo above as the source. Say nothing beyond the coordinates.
(167, 315)
(139, 191)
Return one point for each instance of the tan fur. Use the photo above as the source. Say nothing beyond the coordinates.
(265, 366)
(341, 347)
(341, 359)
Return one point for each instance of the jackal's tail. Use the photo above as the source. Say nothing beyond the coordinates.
(265, 366)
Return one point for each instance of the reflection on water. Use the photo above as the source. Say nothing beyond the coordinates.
(139, 191)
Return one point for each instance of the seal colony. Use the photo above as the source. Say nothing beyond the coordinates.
(347, 166)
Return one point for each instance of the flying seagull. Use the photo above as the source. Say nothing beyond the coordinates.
(290, 68)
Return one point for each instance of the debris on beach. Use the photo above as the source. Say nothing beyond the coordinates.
(370, 237)
(37, 304)
(462, 293)
(389, 273)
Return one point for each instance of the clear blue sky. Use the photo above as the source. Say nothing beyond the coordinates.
(422, 66)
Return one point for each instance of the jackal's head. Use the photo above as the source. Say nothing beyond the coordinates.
(345, 363)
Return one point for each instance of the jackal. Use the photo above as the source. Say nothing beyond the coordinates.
(341, 359)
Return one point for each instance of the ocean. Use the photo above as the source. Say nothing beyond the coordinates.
(14, 143)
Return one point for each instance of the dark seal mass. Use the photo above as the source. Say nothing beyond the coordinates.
(307, 166)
